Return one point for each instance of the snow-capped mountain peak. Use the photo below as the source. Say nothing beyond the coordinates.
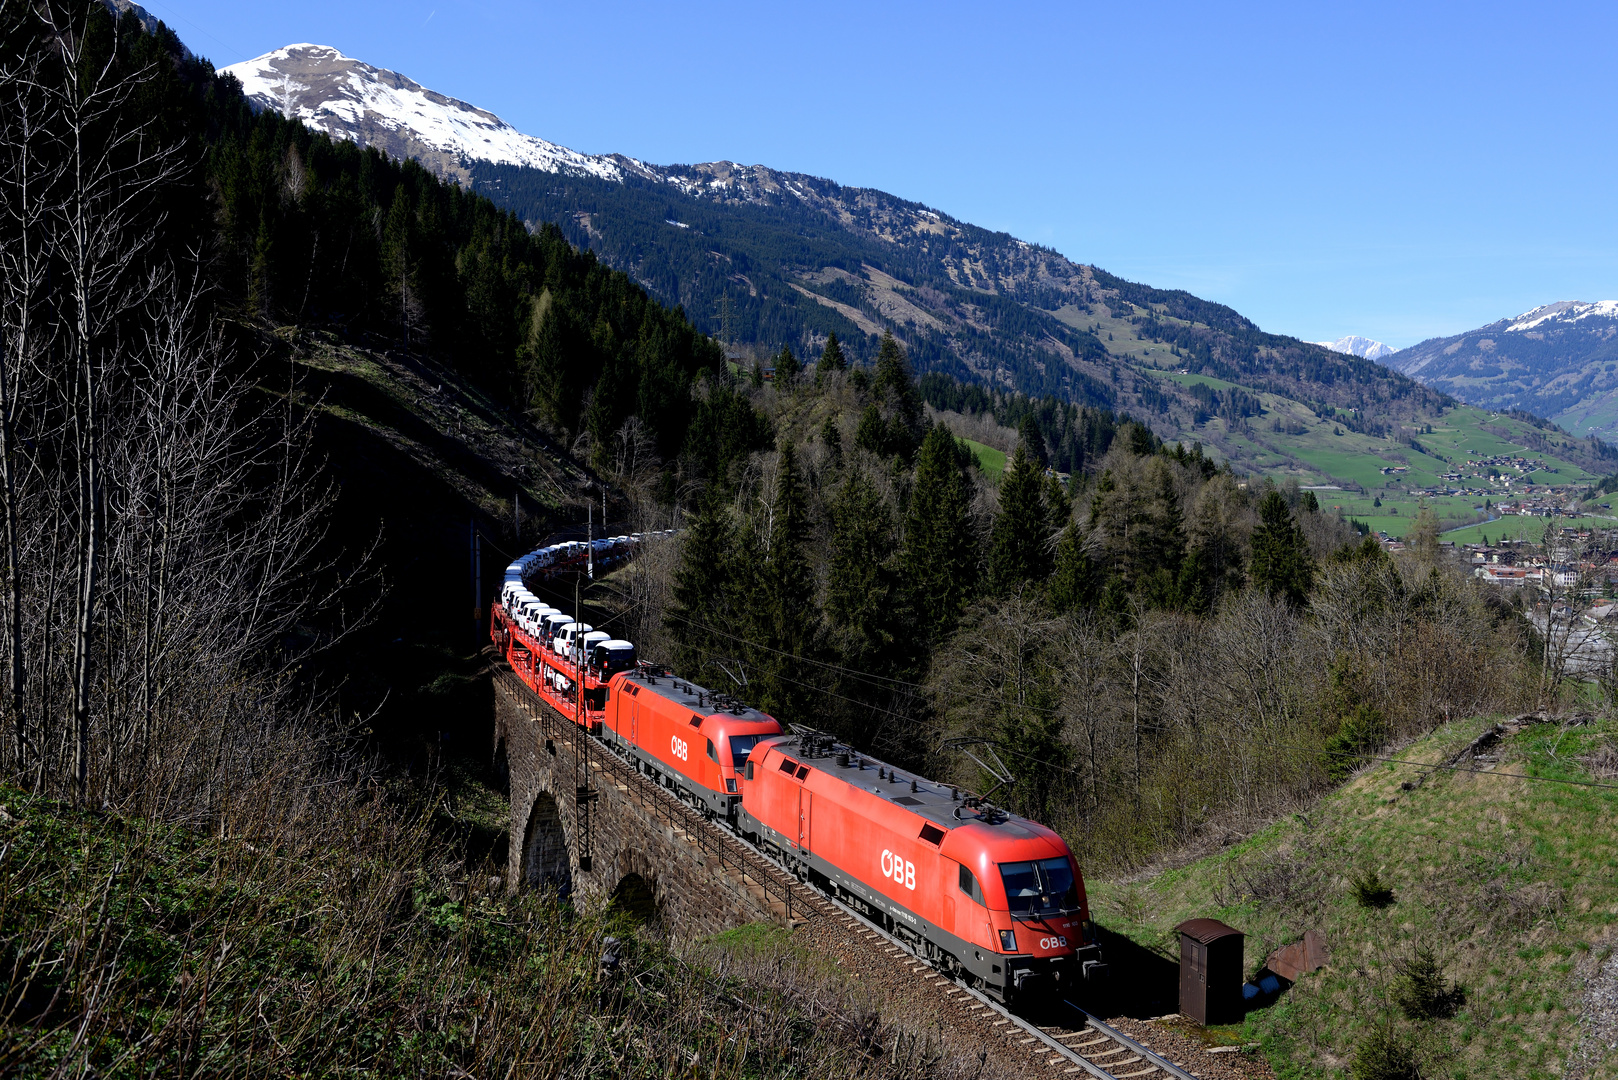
(1358, 346)
(350, 99)
(1564, 311)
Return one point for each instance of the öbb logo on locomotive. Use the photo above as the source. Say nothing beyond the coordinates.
(1004, 904)
(898, 869)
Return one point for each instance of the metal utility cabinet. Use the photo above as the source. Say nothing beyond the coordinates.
(1210, 972)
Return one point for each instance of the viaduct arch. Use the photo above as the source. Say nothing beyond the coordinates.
(649, 852)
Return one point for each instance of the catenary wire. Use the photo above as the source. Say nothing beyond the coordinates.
(923, 691)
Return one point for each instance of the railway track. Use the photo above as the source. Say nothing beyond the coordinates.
(1093, 1046)
(1089, 1046)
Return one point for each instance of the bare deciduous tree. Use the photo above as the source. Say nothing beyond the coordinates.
(162, 513)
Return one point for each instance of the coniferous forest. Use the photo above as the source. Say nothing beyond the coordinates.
(1154, 646)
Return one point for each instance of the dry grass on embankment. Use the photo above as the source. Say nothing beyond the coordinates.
(1513, 883)
(352, 942)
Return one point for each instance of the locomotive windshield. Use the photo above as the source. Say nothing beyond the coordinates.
(741, 746)
(1040, 888)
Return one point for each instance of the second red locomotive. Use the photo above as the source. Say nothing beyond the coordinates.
(686, 736)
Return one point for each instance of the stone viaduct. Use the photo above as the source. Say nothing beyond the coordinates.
(647, 849)
(654, 853)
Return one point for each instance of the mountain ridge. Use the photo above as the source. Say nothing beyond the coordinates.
(373, 106)
(1558, 360)
(1355, 345)
(765, 259)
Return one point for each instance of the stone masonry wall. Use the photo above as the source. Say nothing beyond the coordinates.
(702, 881)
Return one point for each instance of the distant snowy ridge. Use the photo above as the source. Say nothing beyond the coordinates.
(1358, 346)
(350, 99)
(1558, 360)
(1563, 311)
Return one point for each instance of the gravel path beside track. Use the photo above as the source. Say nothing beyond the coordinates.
(1191, 1053)
(927, 1000)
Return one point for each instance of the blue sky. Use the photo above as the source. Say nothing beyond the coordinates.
(1398, 171)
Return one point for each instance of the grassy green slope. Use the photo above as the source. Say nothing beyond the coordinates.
(991, 461)
(352, 943)
(1290, 439)
(1513, 882)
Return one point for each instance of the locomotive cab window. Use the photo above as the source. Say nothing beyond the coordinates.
(713, 755)
(1044, 887)
(969, 885)
(741, 746)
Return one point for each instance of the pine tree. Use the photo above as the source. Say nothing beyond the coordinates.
(831, 437)
(1281, 564)
(864, 613)
(859, 581)
(702, 589)
(831, 359)
(554, 385)
(893, 384)
(1029, 434)
(786, 364)
(872, 432)
(939, 557)
(1058, 507)
(783, 606)
(1075, 582)
(1157, 540)
(1017, 544)
(1031, 726)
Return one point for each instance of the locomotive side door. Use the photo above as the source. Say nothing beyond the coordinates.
(634, 721)
(805, 807)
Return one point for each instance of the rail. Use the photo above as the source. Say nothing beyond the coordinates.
(1153, 1061)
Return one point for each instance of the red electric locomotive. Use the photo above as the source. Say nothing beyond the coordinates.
(686, 736)
(986, 893)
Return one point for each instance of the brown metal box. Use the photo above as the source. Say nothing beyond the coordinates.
(1210, 972)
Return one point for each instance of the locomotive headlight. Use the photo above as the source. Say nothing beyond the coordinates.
(1008, 941)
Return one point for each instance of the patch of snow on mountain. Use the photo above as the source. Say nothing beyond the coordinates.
(1355, 345)
(1564, 311)
(348, 98)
